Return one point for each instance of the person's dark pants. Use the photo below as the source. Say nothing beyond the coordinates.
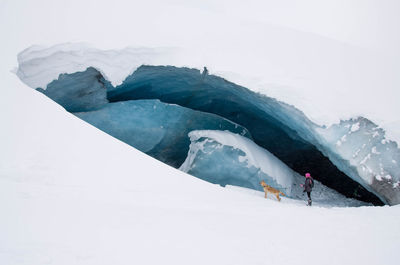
(309, 195)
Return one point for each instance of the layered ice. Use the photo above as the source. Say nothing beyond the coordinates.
(156, 128)
(226, 158)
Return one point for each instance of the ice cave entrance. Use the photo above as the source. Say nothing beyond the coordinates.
(281, 129)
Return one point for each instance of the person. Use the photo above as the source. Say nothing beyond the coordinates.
(205, 73)
(308, 186)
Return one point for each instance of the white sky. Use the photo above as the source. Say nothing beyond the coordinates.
(369, 23)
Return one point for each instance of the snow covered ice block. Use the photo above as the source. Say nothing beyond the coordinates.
(359, 148)
(156, 128)
(80, 91)
(226, 158)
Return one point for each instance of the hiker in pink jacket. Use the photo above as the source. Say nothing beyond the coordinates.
(308, 186)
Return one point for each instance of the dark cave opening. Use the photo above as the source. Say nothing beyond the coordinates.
(260, 115)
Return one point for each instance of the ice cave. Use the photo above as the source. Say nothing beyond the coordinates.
(158, 109)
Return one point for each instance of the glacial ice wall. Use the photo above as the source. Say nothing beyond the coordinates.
(359, 147)
(153, 127)
(279, 128)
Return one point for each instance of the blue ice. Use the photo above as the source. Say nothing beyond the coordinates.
(80, 91)
(156, 128)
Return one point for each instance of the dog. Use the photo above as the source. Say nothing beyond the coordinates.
(274, 191)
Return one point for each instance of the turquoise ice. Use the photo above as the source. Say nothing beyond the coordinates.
(80, 91)
(156, 128)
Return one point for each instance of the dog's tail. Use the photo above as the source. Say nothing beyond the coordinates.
(280, 192)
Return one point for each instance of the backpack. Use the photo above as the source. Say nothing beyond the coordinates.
(312, 183)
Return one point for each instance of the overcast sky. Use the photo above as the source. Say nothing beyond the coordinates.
(373, 24)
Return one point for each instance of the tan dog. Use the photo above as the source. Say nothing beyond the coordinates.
(268, 188)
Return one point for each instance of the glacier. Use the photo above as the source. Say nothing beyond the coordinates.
(71, 194)
(282, 129)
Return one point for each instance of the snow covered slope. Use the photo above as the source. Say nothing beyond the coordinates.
(70, 194)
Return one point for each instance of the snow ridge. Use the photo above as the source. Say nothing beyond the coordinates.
(38, 66)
